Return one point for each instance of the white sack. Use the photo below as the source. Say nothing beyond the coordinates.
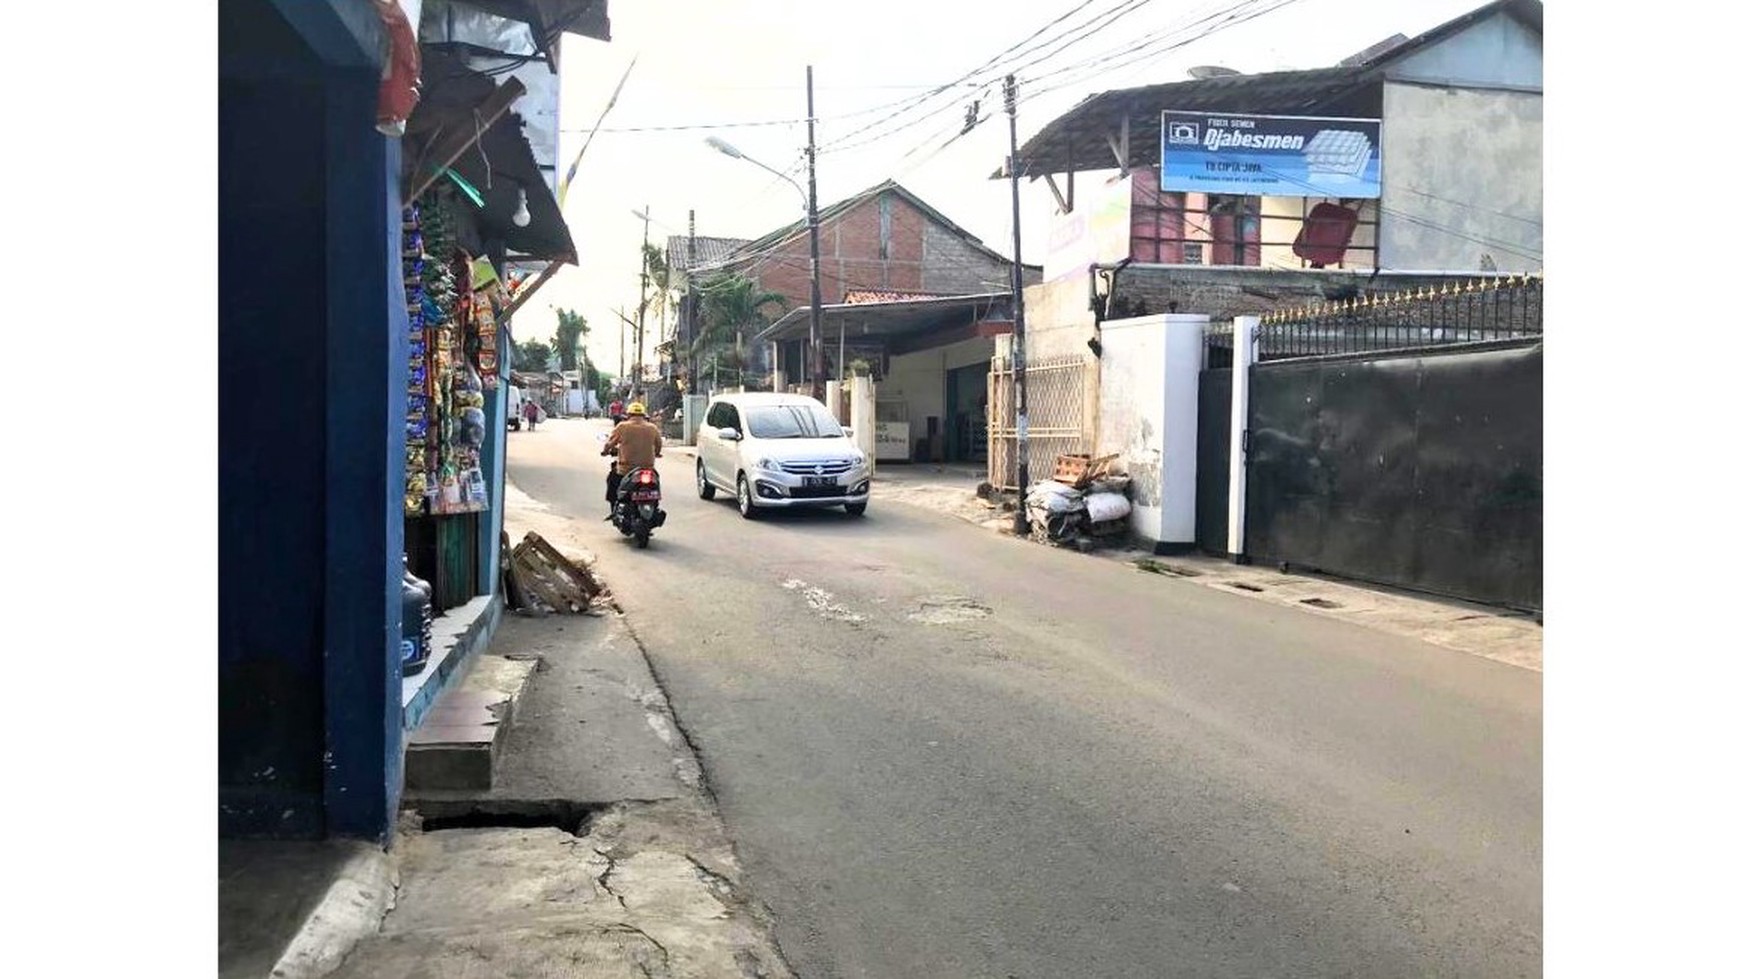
(1102, 507)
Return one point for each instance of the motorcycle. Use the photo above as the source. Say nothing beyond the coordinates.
(636, 510)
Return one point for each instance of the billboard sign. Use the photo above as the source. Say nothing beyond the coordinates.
(1097, 230)
(1278, 156)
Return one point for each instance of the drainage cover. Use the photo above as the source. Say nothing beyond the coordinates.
(1244, 586)
(1319, 603)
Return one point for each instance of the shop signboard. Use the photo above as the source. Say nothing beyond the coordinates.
(1097, 230)
(1276, 156)
(893, 441)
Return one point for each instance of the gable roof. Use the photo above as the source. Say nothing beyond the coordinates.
(781, 236)
(1528, 12)
(1075, 141)
(707, 250)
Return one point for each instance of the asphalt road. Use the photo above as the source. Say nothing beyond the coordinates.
(943, 752)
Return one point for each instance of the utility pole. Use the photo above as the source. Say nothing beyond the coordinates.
(1020, 344)
(690, 301)
(817, 389)
(622, 345)
(640, 313)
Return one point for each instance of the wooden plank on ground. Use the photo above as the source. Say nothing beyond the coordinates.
(549, 578)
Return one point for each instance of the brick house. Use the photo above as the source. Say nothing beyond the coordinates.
(881, 240)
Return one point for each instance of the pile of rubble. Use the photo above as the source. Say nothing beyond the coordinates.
(1083, 503)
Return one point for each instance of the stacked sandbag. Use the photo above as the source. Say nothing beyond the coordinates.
(1108, 506)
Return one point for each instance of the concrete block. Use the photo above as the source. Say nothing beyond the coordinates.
(451, 758)
(458, 744)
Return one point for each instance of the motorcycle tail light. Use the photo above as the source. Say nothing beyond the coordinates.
(646, 477)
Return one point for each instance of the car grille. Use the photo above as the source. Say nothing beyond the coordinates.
(817, 467)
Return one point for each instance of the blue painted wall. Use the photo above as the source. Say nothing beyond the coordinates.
(366, 354)
(495, 473)
(311, 353)
(271, 457)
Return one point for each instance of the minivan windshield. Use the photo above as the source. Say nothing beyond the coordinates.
(796, 421)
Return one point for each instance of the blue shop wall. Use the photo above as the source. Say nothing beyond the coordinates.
(311, 359)
(495, 471)
(271, 457)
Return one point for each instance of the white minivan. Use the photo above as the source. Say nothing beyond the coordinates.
(776, 451)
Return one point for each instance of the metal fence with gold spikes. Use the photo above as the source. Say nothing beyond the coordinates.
(1476, 310)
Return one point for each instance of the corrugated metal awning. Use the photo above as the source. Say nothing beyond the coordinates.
(890, 319)
(1082, 138)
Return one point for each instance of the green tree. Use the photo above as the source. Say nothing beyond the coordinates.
(532, 355)
(732, 308)
(570, 328)
(658, 277)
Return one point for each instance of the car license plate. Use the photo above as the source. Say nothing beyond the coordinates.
(811, 482)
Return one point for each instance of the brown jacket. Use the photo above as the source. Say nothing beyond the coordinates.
(638, 444)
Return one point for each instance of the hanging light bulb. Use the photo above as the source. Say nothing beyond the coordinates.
(523, 216)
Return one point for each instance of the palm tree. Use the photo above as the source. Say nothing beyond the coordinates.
(658, 301)
(731, 306)
(658, 276)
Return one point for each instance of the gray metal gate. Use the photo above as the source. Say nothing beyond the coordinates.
(1398, 440)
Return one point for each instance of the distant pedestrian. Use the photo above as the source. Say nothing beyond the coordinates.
(533, 414)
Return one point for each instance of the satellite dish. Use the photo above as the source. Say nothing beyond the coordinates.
(1211, 71)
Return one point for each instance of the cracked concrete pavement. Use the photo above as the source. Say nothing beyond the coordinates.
(598, 852)
(648, 889)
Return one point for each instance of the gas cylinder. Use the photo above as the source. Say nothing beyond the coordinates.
(415, 631)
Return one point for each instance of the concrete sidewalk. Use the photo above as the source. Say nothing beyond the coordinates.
(597, 851)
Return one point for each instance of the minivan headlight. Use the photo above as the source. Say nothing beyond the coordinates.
(768, 465)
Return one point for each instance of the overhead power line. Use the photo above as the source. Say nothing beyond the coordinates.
(974, 78)
(1211, 22)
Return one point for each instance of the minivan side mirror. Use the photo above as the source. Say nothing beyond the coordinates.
(730, 435)
(847, 429)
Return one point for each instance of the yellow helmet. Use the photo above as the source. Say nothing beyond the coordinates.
(637, 409)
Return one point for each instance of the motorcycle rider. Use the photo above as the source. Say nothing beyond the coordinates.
(637, 444)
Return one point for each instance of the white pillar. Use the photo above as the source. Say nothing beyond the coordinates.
(1244, 355)
(1148, 397)
(864, 417)
(836, 402)
(694, 408)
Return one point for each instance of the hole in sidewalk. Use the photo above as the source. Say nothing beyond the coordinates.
(1246, 586)
(1319, 603)
(569, 817)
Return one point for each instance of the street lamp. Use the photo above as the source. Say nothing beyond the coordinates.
(816, 369)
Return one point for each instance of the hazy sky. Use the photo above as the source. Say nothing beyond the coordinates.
(702, 62)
